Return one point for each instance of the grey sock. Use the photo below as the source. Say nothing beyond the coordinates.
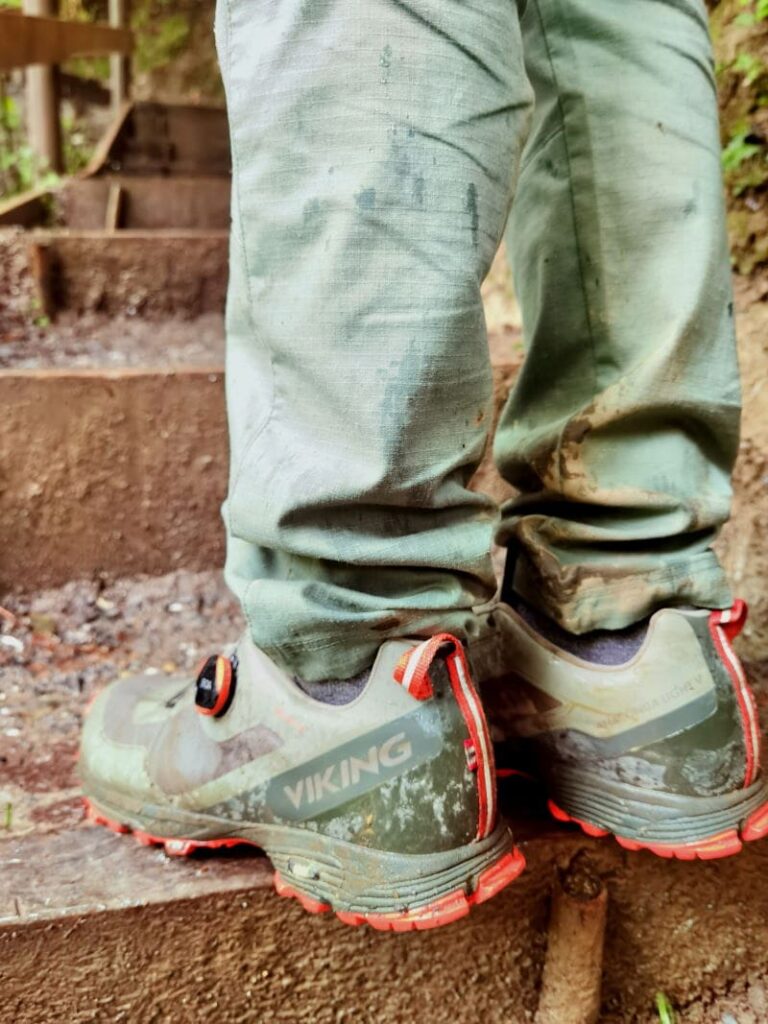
(602, 646)
(336, 691)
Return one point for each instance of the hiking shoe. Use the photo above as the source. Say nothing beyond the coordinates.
(663, 750)
(382, 810)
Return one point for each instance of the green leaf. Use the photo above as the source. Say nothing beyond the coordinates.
(665, 1010)
(749, 66)
(737, 151)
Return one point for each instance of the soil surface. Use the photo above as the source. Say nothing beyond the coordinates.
(110, 342)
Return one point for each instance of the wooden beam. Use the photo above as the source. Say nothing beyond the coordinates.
(27, 210)
(42, 97)
(40, 267)
(119, 67)
(25, 40)
(114, 207)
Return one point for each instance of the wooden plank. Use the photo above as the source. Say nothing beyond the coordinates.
(27, 210)
(40, 269)
(244, 955)
(26, 40)
(148, 202)
(114, 207)
(108, 140)
(174, 139)
(91, 870)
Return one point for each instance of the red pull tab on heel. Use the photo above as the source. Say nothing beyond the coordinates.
(724, 626)
(412, 672)
(731, 620)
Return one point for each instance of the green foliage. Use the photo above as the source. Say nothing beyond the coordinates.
(758, 12)
(20, 169)
(162, 33)
(96, 68)
(743, 85)
(76, 146)
(749, 67)
(739, 149)
(665, 1010)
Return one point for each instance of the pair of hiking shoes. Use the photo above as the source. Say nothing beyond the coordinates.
(385, 809)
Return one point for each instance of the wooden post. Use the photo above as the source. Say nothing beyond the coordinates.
(119, 67)
(573, 968)
(42, 101)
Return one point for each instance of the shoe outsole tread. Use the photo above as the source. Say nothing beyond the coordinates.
(439, 912)
(724, 844)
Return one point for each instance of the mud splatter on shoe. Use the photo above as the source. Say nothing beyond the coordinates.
(663, 750)
(382, 809)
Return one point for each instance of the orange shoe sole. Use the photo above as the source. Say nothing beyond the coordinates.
(724, 844)
(440, 912)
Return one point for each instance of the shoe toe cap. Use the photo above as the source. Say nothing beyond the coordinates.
(119, 728)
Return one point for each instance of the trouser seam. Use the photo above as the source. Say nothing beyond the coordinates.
(577, 238)
(237, 228)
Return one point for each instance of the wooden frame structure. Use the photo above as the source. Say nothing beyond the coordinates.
(27, 39)
(39, 42)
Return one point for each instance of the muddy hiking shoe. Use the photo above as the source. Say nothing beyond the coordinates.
(382, 810)
(662, 751)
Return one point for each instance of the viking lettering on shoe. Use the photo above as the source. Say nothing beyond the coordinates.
(348, 772)
(352, 769)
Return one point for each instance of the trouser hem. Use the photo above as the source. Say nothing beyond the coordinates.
(351, 650)
(585, 598)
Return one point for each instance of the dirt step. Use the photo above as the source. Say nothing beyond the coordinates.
(145, 202)
(110, 472)
(105, 929)
(149, 273)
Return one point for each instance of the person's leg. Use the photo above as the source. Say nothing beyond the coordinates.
(373, 148)
(620, 436)
(373, 153)
(623, 428)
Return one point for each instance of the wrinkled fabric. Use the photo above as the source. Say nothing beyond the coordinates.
(375, 153)
(622, 431)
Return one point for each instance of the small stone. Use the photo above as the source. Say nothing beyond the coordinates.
(43, 624)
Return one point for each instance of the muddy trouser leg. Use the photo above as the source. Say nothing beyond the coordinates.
(623, 428)
(373, 148)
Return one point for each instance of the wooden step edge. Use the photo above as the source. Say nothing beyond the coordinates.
(90, 870)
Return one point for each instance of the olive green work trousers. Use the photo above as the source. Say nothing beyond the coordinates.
(380, 150)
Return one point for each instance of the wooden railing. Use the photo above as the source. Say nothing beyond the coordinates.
(39, 42)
